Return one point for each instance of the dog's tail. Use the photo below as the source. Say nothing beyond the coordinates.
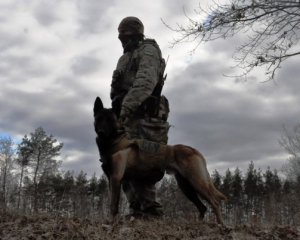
(220, 196)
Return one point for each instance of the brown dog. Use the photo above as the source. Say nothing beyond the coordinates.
(124, 159)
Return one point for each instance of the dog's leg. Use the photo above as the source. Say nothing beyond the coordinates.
(115, 196)
(191, 194)
(191, 165)
(206, 191)
(118, 166)
(218, 197)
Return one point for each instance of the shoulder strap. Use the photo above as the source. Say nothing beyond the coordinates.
(162, 77)
(153, 43)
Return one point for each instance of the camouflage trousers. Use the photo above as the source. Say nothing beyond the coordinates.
(152, 129)
(142, 194)
(142, 197)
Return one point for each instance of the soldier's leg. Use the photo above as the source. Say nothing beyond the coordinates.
(132, 197)
(147, 197)
(144, 192)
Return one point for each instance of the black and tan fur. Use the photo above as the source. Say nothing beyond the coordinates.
(122, 160)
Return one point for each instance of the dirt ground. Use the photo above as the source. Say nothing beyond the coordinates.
(40, 227)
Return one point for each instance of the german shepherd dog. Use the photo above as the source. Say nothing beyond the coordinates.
(122, 160)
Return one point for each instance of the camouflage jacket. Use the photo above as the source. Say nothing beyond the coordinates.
(136, 76)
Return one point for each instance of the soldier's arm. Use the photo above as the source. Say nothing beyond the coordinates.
(145, 82)
(116, 77)
(116, 94)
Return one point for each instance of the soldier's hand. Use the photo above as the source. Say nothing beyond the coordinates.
(124, 120)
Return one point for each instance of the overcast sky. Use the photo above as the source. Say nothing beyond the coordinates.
(56, 56)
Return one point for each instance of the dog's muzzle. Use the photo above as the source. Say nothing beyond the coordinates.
(101, 133)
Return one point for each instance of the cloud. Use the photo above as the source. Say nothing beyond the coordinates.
(93, 17)
(84, 65)
(232, 123)
(57, 56)
(46, 13)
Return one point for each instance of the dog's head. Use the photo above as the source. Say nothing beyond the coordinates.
(105, 121)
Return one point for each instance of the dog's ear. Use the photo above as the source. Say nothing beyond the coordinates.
(98, 105)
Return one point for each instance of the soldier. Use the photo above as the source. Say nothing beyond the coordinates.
(136, 99)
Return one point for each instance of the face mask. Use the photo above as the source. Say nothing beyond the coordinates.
(125, 39)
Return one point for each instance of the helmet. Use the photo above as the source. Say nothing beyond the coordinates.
(132, 24)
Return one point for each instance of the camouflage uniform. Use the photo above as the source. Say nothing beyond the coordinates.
(138, 73)
(136, 76)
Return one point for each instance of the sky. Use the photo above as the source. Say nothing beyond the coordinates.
(57, 56)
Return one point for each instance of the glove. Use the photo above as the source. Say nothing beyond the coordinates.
(124, 120)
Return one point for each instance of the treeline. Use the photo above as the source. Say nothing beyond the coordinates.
(31, 182)
(254, 197)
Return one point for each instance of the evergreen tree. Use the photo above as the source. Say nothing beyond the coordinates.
(269, 181)
(287, 187)
(69, 192)
(217, 179)
(92, 190)
(226, 187)
(102, 193)
(22, 160)
(43, 149)
(237, 186)
(51, 190)
(237, 196)
(253, 190)
(259, 190)
(81, 191)
(102, 185)
(250, 182)
(272, 182)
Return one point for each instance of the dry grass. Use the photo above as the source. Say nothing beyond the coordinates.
(47, 227)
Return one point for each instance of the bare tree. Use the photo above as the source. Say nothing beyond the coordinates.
(6, 162)
(291, 143)
(270, 27)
